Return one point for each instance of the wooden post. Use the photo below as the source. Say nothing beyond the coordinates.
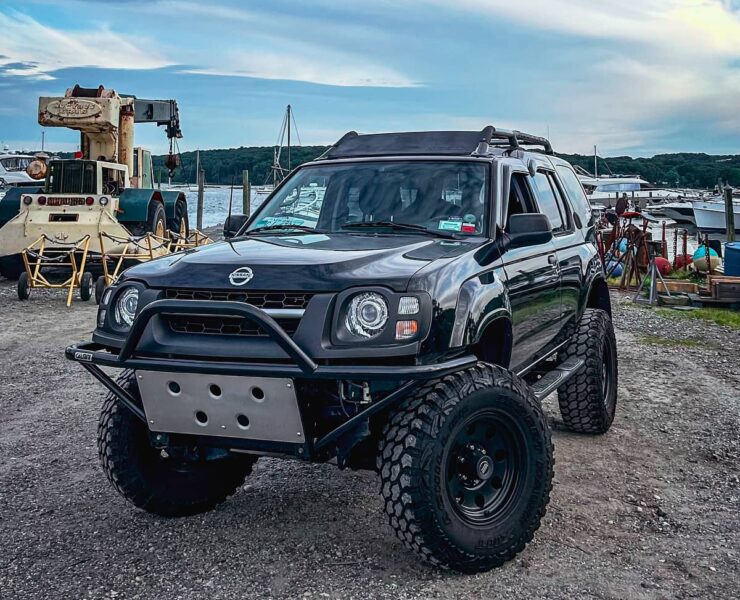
(246, 192)
(729, 214)
(201, 190)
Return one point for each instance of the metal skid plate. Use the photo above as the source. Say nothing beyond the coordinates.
(253, 408)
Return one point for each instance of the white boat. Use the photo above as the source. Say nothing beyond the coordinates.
(710, 214)
(605, 191)
(682, 212)
(13, 171)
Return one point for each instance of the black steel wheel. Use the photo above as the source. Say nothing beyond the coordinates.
(485, 466)
(466, 468)
(99, 289)
(24, 287)
(167, 484)
(86, 286)
(588, 401)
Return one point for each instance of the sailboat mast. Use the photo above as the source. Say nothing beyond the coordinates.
(596, 163)
(288, 115)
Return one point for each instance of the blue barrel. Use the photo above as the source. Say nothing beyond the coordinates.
(732, 259)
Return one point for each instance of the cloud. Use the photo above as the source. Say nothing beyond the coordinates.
(317, 67)
(42, 50)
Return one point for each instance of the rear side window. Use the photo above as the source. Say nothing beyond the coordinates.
(547, 198)
(575, 193)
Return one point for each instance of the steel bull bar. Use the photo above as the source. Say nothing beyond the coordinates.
(92, 356)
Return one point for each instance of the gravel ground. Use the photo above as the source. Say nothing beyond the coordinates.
(649, 510)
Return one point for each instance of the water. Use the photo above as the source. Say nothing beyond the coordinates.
(216, 204)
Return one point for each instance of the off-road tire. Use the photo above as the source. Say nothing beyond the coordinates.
(99, 289)
(414, 460)
(587, 404)
(86, 286)
(160, 485)
(24, 287)
(179, 223)
(11, 266)
(156, 216)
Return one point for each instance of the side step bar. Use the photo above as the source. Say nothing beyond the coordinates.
(557, 377)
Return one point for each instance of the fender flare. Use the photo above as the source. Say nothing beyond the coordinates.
(133, 204)
(170, 199)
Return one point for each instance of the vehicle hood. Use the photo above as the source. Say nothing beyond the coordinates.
(305, 262)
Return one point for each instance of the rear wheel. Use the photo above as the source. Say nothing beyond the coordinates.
(466, 468)
(588, 400)
(86, 286)
(24, 287)
(151, 479)
(179, 223)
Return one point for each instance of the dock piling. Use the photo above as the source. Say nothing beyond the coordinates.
(201, 193)
(729, 214)
(246, 193)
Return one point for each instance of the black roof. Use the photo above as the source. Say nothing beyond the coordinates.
(445, 143)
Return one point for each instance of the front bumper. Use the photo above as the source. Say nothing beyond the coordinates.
(92, 356)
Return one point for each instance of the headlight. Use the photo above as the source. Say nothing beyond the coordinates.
(367, 314)
(126, 305)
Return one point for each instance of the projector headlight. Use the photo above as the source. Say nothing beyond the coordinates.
(367, 314)
(126, 305)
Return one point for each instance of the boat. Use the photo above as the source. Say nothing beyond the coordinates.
(710, 214)
(606, 190)
(13, 171)
(680, 211)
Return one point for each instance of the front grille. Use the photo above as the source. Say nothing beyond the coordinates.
(263, 300)
(224, 325)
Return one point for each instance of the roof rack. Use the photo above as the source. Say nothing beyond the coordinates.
(446, 143)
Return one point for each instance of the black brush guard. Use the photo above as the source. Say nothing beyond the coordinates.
(92, 356)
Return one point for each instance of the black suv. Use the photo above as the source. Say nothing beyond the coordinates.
(402, 303)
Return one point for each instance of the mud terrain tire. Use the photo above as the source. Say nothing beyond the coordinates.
(438, 499)
(157, 484)
(588, 400)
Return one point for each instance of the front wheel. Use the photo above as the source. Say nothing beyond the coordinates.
(24, 287)
(466, 467)
(152, 479)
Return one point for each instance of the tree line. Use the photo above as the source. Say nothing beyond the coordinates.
(667, 170)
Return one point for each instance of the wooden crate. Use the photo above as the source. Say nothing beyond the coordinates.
(724, 288)
(678, 286)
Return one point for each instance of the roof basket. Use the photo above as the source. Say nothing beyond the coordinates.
(446, 143)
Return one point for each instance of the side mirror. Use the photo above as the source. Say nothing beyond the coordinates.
(233, 224)
(529, 229)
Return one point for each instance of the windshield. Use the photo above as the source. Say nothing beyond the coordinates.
(436, 196)
(16, 163)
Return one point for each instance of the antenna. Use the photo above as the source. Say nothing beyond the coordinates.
(231, 195)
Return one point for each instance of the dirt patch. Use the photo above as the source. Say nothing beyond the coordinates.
(649, 510)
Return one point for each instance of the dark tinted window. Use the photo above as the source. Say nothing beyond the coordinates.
(548, 200)
(575, 193)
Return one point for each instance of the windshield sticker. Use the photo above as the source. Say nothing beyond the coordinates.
(450, 224)
(468, 228)
(268, 221)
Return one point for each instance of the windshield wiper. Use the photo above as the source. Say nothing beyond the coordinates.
(283, 226)
(399, 227)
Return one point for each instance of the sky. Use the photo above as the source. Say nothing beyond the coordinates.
(637, 77)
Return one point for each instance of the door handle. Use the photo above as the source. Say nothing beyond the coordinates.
(552, 259)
